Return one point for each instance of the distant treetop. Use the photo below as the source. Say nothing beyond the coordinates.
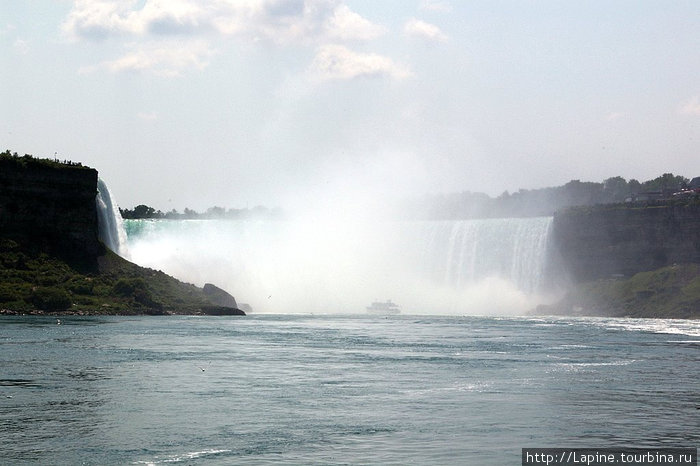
(544, 201)
(143, 212)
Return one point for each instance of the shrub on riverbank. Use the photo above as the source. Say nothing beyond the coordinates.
(669, 292)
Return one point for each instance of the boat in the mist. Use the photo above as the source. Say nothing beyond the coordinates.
(383, 308)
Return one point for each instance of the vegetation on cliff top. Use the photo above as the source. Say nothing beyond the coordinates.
(29, 161)
(684, 201)
(669, 292)
(522, 203)
(538, 202)
(143, 211)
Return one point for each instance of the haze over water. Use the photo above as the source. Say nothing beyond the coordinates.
(493, 266)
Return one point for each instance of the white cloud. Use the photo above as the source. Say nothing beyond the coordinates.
(692, 106)
(147, 116)
(614, 116)
(426, 31)
(161, 26)
(100, 19)
(7, 29)
(338, 62)
(281, 21)
(436, 5)
(21, 46)
(345, 24)
(174, 17)
(159, 58)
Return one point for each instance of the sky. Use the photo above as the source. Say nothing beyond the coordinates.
(288, 103)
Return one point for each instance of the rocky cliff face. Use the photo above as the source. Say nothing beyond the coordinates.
(51, 259)
(604, 242)
(49, 205)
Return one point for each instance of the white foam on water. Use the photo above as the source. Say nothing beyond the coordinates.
(671, 326)
(181, 457)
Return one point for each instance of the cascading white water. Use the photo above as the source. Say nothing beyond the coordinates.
(110, 225)
(458, 253)
(492, 266)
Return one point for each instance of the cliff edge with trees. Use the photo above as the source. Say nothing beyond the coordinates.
(51, 258)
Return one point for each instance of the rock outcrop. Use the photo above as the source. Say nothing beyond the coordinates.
(218, 296)
(625, 260)
(621, 241)
(51, 258)
(222, 311)
(50, 205)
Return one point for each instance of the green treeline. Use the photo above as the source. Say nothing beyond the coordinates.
(466, 204)
(143, 211)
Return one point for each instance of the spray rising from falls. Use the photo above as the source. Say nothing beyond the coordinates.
(109, 221)
(494, 266)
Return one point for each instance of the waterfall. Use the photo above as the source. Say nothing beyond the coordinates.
(490, 266)
(110, 225)
(457, 253)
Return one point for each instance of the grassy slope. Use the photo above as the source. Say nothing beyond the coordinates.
(32, 280)
(669, 292)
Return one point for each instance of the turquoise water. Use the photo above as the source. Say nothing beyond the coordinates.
(303, 389)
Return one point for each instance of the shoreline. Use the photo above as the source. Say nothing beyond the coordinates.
(84, 313)
(87, 313)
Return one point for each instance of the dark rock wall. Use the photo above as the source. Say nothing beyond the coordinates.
(598, 243)
(218, 296)
(50, 206)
